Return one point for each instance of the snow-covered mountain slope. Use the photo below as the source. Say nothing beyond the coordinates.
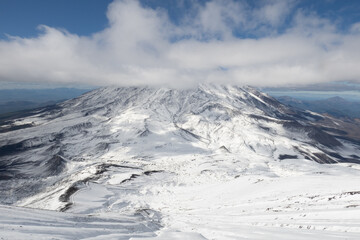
(213, 162)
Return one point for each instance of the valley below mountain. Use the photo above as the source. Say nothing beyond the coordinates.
(212, 162)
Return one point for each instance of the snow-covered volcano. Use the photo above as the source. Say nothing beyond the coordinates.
(213, 162)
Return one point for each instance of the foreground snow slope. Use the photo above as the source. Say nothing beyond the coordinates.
(22, 223)
(214, 162)
(309, 201)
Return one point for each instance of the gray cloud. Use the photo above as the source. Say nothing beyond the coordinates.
(142, 47)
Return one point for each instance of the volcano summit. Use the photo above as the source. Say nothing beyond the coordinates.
(212, 162)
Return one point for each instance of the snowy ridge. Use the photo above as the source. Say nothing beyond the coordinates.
(182, 157)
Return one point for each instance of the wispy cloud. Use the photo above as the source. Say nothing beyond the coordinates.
(224, 42)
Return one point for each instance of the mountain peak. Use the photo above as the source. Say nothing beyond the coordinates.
(126, 148)
(144, 122)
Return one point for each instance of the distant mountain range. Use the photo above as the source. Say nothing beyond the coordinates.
(335, 106)
(12, 100)
(328, 86)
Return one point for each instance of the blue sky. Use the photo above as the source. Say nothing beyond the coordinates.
(179, 43)
(84, 17)
(21, 17)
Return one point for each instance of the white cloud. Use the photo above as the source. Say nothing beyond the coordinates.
(274, 12)
(355, 28)
(219, 18)
(138, 48)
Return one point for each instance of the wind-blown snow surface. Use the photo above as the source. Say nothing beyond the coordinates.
(215, 162)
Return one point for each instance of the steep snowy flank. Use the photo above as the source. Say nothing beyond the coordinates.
(213, 162)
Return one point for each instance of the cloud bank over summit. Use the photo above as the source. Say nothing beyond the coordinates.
(270, 44)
